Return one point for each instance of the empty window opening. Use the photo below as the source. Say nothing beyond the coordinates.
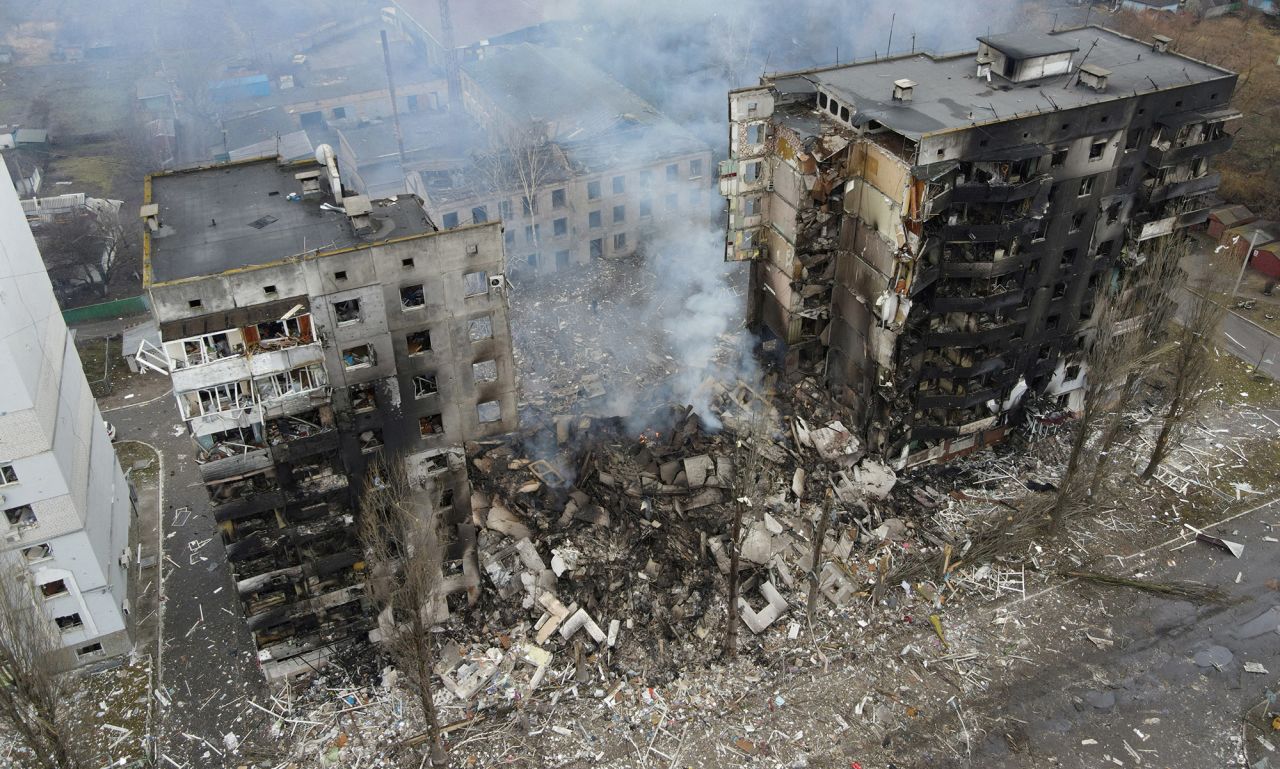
(1086, 185)
(8, 475)
(413, 297)
(484, 371)
(597, 248)
(1097, 149)
(1104, 248)
(407, 262)
(450, 220)
(22, 515)
(292, 382)
(560, 227)
(620, 241)
(751, 171)
(363, 397)
(755, 133)
(370, 441)
(1059, 158)
(1113, 213)
(347, 311)
(1073, 372)
(1133, 139)
(269, 290)
(1123, 177)
(194, 303)
(1077, 221)
(418, 342)
(695, 168)
(432, 424)
(69, 622)
(92, 650)
(358, 357)
(54, 589)
(475, 283)
(37, 553)
(340, 275)
(532, 232)
(489, 412)
(446, 497)
(593, 190)
(479, 214)
(424, 385)
(844, 114)
(1059, 290)
(480, 328)
(558, 199)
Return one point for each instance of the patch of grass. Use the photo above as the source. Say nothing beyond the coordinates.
(104, 365)
(1237, 383)
(121, 698)
(131, 452)
(93, 168)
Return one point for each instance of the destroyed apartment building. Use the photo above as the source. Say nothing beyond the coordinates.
(930, 233)
(306, 330)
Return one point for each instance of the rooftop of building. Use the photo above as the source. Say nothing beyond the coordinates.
(476, 22)
(948, 93)
(224, 217)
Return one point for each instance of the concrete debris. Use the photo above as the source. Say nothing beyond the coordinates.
(775, 607)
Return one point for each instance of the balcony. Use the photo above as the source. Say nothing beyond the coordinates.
(243, 463)
(1001, 232)
(1206, 183)
(956, 400)
(984, 337)
(997, 192)
(1161, 158)
(939, 368)
(988, 269)
(977, 303)
(300, 447)
(244, 507)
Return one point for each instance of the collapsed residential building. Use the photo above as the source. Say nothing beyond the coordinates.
(929, 233)
(306, 330)
(67, 504)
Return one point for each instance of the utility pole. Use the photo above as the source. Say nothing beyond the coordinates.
(452, 77)
(1244, 264)
(395, 108)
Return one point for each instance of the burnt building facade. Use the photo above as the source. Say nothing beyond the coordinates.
(307, 331)
(929, 233)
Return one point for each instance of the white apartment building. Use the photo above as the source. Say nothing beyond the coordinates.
(66, 503)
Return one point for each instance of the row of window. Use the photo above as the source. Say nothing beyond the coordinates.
(412, 297)
(595, 191)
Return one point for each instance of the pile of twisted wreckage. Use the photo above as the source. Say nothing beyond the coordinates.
(608, 536)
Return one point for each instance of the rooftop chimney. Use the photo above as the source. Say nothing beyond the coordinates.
(1093, 76)
(902, 89)
(1160, 43)
(310, 181)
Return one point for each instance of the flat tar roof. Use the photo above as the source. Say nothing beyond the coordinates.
(219, 218)
(949, 94)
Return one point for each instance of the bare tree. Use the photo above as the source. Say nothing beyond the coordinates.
(1200, 318)
(403, 552)
(521, 161)
(1154, 277)
(749, 471)
(819, 537)
(33, 697)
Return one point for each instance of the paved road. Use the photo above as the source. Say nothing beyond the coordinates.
(207, 664)
(1251, 342)
(1173, 686)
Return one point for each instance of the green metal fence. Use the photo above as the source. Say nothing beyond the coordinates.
(120, 308)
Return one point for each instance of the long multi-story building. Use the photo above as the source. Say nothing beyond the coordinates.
(930, 233)
(305, 331)
(67, 505)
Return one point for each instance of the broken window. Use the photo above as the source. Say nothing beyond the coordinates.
(484, 371)
(562, 260)
(480, 328)
(1097, 149)
(92, 650)
(407, 262)
(1123, 177)
(619, 214)
(69, 622)
(1104, 248)
(194, 303)
(1073, 372)
(475, 283)
(412, 297)
(619, 185)
(370, 441)
(37, 553)
(1059, 290)
(1059, 158)
(751, 205)
(560, 227)
(347, 311)
(418, 342)
(620, 241)
(1086, 185)
(1051, 323)
(54, 589)
(1077, 221)
(695, 166)
(363, 397)
(751, 171)
(558, 199)
(446, 497)
(755, 133)
(432, 424)
(597, 248)
(270, 290)
(270, 333)
(1068, 258)
(593, 190)
(449, 220)
(22, 515)
(504, 209)
(673, 172)
(489, 412)
(594, 219)
(424, 385)
(293, 382)
(360, 356)
(479, 214)
(219, 398)
(1113, 213)
(8, 475)
(1134, 139)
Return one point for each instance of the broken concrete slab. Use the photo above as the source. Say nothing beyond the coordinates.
(757, 546)
(581, 620)
(502, 520)
(874, 479)
(759, 621)
(696, 470)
